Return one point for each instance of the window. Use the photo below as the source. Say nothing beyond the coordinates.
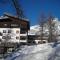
(0, 40)
(1, 34)
(23, 30)
(4, 31)
(5, 24)
(17, 37)
(9, 31)
(6, 37)
(22, 37)
(3, 37)
(14, 25)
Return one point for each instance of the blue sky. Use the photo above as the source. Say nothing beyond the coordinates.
(32, 8)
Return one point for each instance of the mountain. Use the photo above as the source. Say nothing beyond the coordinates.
(36, 28)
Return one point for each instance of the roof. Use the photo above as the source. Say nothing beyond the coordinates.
(9, 15)
(3, 17)
(13, 19)
(6, 16)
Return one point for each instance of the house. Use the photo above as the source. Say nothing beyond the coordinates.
(13, 29)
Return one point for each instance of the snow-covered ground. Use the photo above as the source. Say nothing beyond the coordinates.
(37, 52)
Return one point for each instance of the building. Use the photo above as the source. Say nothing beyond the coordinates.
(13, 29)
(34, 35)
(35, 32)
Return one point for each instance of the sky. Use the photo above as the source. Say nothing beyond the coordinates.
(32, 8)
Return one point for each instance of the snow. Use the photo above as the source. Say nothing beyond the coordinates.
(33, 30)
(3, 17)
(48, 51)
(34, 27)
(34, 52)
(55, 54)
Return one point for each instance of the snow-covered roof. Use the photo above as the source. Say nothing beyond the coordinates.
(3, 17)
(7, 14)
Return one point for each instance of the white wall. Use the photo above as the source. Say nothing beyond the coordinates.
(13, 34)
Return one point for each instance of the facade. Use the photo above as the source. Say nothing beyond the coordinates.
(13, 29)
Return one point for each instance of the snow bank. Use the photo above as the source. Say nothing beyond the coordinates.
(35, 52)
(55, 54)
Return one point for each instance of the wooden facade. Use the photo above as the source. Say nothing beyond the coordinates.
(9, 21)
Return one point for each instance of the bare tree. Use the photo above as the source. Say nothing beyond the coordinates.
(41, 23)
(51, 26)
(18, 8)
